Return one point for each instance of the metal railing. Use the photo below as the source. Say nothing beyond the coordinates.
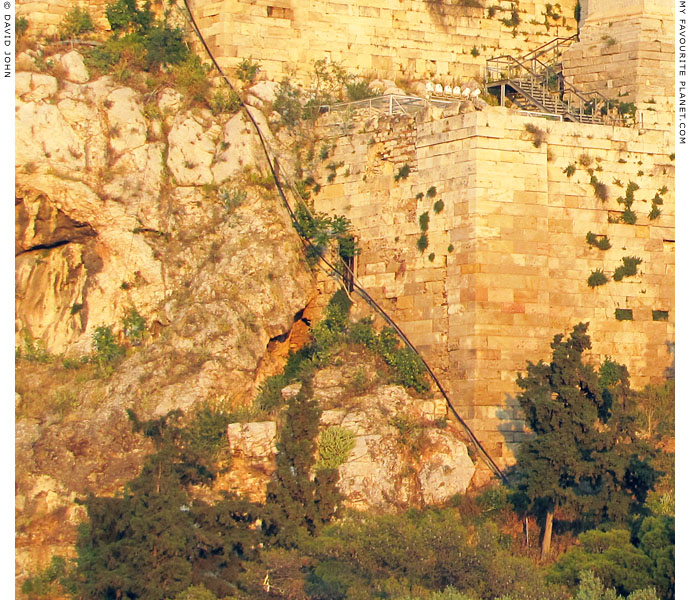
(550, 83)
(556, 45)
(390, 104)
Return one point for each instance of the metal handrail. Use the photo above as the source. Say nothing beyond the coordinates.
(510, 68)
(544, 48)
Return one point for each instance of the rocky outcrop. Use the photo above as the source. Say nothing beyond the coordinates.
(404, 454)
(124, 201)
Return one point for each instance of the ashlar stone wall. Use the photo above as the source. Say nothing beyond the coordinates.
(507, 263)
(626, 51)
(413, 39)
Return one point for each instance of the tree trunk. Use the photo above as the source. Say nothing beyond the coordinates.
(546, 538)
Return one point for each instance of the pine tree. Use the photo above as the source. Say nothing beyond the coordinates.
(585, 455)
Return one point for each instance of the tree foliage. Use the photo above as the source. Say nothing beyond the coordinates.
(154, 541)
(299, 502)
(585, 455)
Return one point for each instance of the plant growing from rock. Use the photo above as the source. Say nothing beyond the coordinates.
(20, 27)
(600, 190)
(628, 268)
(600, 241)
(438, 206)
(403, 173)
(569, 170)
(134, 326)
(105, 347)
(538, 134)
(247, 70)
(422, 242)
(334, 446)
(597, 278)
(424, 221)
(75, 23)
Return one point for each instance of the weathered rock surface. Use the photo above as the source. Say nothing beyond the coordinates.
(404, 454)
(108, 218)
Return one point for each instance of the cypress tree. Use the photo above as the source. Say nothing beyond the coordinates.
(585, 455)
(298, 503)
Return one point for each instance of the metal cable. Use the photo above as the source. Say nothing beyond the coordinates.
(346, 274)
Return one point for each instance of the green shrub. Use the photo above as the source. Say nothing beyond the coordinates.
(597, 278)
(409, 369)
(225, 101)
(20, 27)
(191, 78)
(450, 248)
(206, 431)
(196, 592)
(610, 556)
(35, 350)
(106, 348)
(359, 90)
(75, 23)
(655, 213)
(125, 16)
(600, 241)
(288, 104)
(134, 326)
(47, 583)
(422, 242)
(403, 173)
(127, 52)
(569, 170)
(628, 268)
(475, 51)
(514, 20)
(627, 108)
(334, 445)
(165, 46)
(247, 70)
(424, 221)
(438, 206)
(432, 256)
(629, 216)
(363, 332)
(431, 192)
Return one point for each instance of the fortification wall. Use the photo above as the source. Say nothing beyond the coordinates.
(412, 39)
(510, 261)
(626, 51)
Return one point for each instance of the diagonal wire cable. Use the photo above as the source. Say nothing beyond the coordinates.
(343, 273)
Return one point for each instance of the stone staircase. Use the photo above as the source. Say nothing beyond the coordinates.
(534, 82)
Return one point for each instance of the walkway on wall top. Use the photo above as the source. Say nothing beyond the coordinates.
(390, 104)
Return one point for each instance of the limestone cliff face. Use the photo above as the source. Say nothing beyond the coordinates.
(125, 200)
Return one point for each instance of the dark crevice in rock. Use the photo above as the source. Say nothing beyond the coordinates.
(46, 246)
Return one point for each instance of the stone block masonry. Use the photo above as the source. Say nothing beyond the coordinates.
(507, 261)
(404, 39)
(626, 51)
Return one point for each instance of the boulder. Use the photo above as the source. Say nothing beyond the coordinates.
(75, 69)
